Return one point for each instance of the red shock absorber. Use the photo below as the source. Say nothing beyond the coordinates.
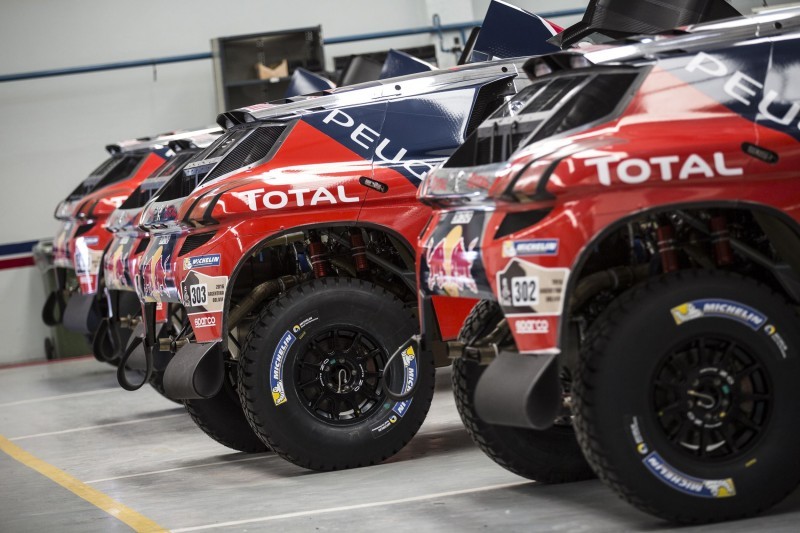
(666, 248)
(720, 239)
(359, 250)
(317, 254)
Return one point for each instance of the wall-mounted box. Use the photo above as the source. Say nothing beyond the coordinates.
(252, 69)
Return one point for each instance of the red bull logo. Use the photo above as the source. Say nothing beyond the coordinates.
(450, 263)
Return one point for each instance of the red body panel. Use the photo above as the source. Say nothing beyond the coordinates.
(643, 160)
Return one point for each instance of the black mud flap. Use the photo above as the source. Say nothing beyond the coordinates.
(137, 360)
(81, 314)
(102, 346)
(53, 310)
(520, 390)
(196, 372)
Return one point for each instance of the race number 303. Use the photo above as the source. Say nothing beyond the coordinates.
(198, 294)
(525, 290)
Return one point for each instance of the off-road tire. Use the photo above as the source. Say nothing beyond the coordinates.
(622, 427)
(549, 456)
(222, 419)
(291, 424)
(157, 382)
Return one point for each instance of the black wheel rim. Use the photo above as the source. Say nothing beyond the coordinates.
(337, 375)
(712, 398)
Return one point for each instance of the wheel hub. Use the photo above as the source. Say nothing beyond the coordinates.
(712, 398)
(341, 375)
(338, 373)
(708, 396)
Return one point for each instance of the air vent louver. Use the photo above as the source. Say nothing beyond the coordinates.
(251, 149)
(193, 242)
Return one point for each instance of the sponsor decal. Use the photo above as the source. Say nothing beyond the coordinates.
(201, 261)
(383, 426)
(155, 272)
(276, 368)
(162, 213)
(164, 240)
(718, 308)
(462, 217)
(634, 171)
(773, 334)
(410, 367)
(303, 323)
(450, 263)
(526, 287)
(257, 198)
(364, 138)
(374, 184)
(671, 476)
(202, 293)
(641, 447)
(702, 488)
(532, 326)
(115, 268)
(204, 322)
(87, 263)
(531, 247)
(766, 105)
(90, 241)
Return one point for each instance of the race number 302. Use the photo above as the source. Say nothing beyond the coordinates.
(198, 294)
(525, 290)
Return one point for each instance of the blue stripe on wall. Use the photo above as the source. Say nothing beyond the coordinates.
(17, 248)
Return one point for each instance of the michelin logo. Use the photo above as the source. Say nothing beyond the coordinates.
(408, 356)
(410, 365)
(703, 488)
(201, 261)
(278, 394)
(276, 368)
(718, 308)
(532, 247)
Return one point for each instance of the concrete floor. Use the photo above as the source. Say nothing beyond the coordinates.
(146, 453)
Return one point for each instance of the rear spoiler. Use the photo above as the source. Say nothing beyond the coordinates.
(616, 19)
(508, 31)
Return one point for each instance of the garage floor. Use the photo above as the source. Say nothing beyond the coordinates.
(142, 459)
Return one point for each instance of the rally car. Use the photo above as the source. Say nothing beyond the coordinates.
(81, 214)
(87, 210)
(117, 302)
(631, 224)
(300, 232)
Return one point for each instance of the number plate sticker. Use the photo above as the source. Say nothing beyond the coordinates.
(525, 290)
(198, 294)
(530, 289)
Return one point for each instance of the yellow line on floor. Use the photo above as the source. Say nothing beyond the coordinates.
(102, 501)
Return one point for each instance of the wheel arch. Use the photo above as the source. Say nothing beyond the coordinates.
(782, 230)
(396, 238)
